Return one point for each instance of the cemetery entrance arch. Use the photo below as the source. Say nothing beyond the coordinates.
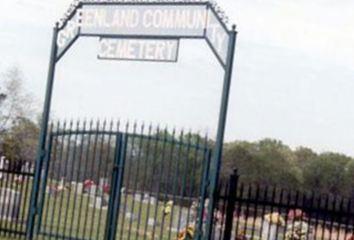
(140, 31)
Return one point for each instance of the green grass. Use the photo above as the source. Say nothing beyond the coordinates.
(71, 215)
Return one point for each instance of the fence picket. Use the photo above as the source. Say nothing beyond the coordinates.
(313, 216)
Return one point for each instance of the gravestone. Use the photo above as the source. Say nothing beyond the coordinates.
(26, 167)
(137, 197)
(93, 190)
(98, 202)
(2, 166)
(193, 211)
(130, 216)
(184, 218)
(80, 188)
(152, 222)
(9, 204)
(179, 221)
(153, 200)
(149, 200)
(103, 182)
(269, 230)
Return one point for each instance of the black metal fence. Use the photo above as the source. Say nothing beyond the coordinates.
(269, 213)
(158, 197)
(15, 190)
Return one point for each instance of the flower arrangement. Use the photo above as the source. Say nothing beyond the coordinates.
(187, 233)
(106, 189)
(168, 208)
(88, 184)
(296, 214)
(298, 229)
(351, 237)
(274, 218)
(241, 235)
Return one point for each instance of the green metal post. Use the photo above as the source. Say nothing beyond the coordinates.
(216, 163)
(41, 152)
(44, 183)
(116, 186)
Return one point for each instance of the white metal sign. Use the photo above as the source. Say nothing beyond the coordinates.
(164, 50)
(144, 20)
(151, 20)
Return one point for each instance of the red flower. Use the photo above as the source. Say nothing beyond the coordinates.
(88, 183)
(106, 188)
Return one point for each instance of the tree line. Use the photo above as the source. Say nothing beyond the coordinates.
(264, 162)
(271, 162)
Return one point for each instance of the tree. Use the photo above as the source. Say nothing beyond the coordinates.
(20, 141)
(15, 102)
(304, 155)
(18, 130)
(326, 173)
(267, 162)
(349, 178)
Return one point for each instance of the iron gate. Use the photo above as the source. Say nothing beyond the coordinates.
(103, 182)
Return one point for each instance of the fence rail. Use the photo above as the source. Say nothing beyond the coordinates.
(246, 211)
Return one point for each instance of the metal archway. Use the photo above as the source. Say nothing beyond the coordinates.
(84, 20)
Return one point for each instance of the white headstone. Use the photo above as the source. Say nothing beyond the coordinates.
(9, 204)
(137, 197)
(95, 202)
(269, 230)
(2, 165)
(152, 201)
(93, 190)
(26, 167)
(79, 188)
(98, 202)
(184, 218)
(103, 182)
(151, 222)
(130, 216)
(62, 182)
(149, 200)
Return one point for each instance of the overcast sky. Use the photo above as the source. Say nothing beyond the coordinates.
(293, 76)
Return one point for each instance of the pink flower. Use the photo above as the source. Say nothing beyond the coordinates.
(295, 214)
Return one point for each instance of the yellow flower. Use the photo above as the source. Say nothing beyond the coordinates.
(187, 233)
(168, 208)
(275, 218)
